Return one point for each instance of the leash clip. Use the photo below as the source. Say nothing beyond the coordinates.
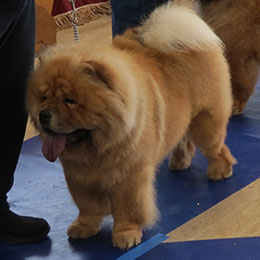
(75, 21)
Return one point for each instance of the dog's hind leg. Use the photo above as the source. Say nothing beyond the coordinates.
(181, 156)
(244, 77)
(208, 131)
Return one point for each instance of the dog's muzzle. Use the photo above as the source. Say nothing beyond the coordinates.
(45, 117)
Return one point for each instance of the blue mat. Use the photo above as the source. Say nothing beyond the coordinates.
(40, 190)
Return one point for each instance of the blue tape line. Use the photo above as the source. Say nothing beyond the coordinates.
(144, 247)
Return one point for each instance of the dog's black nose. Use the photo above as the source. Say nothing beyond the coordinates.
(44, 116)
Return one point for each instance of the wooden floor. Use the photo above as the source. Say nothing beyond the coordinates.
(238, 216)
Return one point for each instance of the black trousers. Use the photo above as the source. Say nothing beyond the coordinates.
(129, 13)
(17, 40)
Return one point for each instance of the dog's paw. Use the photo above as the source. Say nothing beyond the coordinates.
(179, 165)
(238, 107)
(77, 230)
(181, 156)
(218, 175)
(127, 238)
(221, 167)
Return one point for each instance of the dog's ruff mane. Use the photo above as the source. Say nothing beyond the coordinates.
(174, 26)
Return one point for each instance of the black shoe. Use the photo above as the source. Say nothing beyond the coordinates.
(21, 229)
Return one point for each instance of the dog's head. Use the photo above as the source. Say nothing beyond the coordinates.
(77, 101)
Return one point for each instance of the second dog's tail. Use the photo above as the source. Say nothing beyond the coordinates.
(176, 26)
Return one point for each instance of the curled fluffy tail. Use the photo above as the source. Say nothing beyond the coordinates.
(176, 26)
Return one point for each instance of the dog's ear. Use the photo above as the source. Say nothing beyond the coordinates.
(40, 55)
(40, 60)
(96, 70)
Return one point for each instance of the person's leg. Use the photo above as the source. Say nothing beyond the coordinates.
(17, 38)
(129, 13)
(16, 59)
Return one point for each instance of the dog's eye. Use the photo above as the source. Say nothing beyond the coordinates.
(43, 98)
(69, 101)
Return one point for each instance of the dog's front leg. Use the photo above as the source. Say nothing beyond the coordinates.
(93, 206)
(133, 207)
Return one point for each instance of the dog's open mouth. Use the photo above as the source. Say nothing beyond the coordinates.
(54, 144)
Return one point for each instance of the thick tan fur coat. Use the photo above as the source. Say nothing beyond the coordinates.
(112, 113)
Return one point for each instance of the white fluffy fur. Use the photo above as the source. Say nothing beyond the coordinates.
(174, 26)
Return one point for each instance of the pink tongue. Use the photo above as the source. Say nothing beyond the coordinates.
(53, 146)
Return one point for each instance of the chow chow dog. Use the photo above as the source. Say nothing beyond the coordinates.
(113, 112)
(237, 23)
